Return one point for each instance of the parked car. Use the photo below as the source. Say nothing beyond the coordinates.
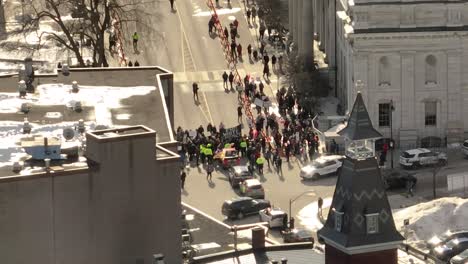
(238, 174)
(451, 248)
(464, 148)
(448, 235)
(240, 207)
(252, 188)
(297, 235)
(227, 157)
(394, 179)
(461, 258)
(274, 217)
(415, 158)
(322, 166)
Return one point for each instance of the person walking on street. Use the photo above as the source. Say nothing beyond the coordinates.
(226, 33)
(239, 114)
(273, 62)
(195, 91)
(279, 164)
(239, 51)
(260, 161)
(172, 4)
(225, 80)
(239, 91)
(261, 32)
(209, 171)
(249, 15)
(135, 38)
(249, 51)
(261, 86)
(231, 79)
(266, 58)
(268, 156)
(211, 25)
(183, 175)
(255, 55)
(266, 71)
(233, 50)
(254, 14)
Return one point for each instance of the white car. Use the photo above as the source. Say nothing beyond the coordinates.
(274, 217)
(252, 188)
(414, 158)
(464, 148)
(322, 166)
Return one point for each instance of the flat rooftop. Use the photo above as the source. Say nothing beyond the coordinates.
(110, 98)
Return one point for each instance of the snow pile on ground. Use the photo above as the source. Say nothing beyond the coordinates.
(434, 217)
(308, 216)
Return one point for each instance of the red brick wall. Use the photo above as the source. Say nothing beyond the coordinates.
(335, 256)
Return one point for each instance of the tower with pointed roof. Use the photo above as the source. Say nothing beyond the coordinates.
(360, 226)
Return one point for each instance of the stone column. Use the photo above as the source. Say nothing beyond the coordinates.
(408, 109)
(295, 21)
(291, 16)
(306, 47)
(300, 23)
(454, 65)
(331, 35)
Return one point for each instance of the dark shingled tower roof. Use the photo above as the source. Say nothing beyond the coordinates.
(360, 191)
(359, 124)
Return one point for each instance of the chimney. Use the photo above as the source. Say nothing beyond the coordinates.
(258, 238)
(46, 143)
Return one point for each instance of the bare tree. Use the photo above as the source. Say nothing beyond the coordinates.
(307, 84)
(82, 21)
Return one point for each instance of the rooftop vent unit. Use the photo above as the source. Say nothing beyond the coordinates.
(26, 126)
(22, 88)
(65, 69)
(75, 87)
(17, 166)
(40, 147)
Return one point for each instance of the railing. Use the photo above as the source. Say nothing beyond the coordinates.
(419, 253)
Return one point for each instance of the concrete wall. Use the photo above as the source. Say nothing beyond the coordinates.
(124, 209)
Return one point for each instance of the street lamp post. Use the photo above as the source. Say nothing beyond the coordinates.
(391, 145)
(291, 201)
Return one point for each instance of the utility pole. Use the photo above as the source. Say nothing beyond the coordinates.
(391, 145)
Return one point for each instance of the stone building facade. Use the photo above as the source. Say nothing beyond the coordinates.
(411, 55)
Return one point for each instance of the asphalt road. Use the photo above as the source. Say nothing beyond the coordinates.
(178, 40)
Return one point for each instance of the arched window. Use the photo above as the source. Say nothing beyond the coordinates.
(431, 69)
(384, 71)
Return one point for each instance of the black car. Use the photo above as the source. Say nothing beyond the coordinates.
(445, 237)
(395, 179)
(238, 174)
(240, 207)
(451, 248)
(461, 258)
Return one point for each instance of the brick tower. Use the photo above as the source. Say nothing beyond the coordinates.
(360, 227)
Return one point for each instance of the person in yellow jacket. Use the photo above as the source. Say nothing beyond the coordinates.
(260, 161)
(208, 153)
(202, 154)
(243, 147)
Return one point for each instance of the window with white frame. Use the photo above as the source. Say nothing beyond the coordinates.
(430, 113)
(338, 220)
(384, 72)
(372, 223)
(431, 69)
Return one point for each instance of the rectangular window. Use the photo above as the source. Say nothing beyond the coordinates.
(372, 223)
(338, 221)
(384, 115)
(430, 118)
